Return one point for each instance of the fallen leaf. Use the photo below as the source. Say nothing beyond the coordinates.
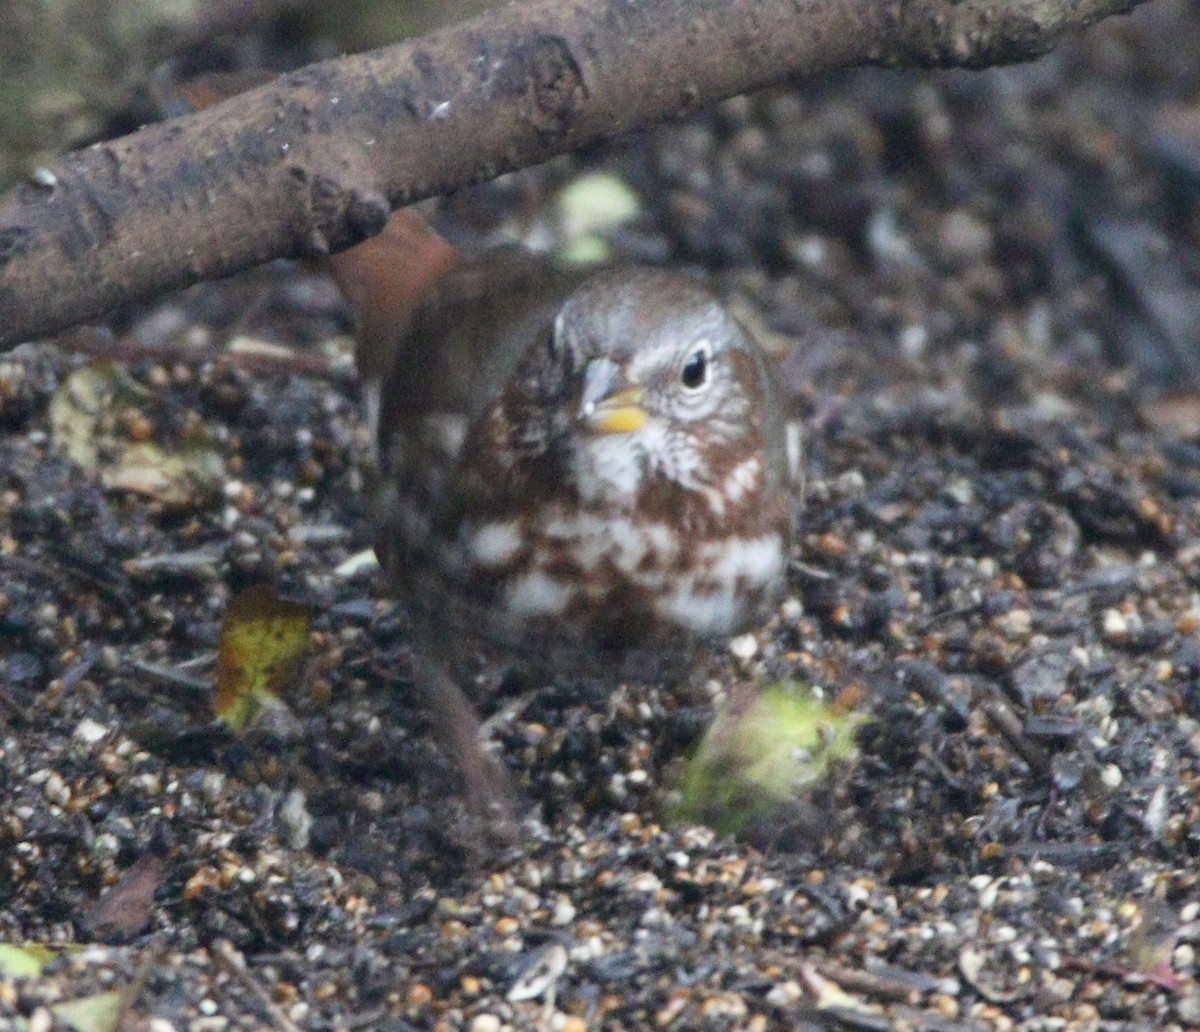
(761, 751)
(99, 1013)
(24, 961)
(124, 911)
(86, 423)
(83, 411)
(174, 480)
(262, 640)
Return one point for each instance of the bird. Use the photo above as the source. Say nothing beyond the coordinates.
(573, 473)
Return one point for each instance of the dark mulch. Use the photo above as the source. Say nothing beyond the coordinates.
(985, 292)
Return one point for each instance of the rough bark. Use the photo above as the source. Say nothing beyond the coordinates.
(68, 67)
(313, 162)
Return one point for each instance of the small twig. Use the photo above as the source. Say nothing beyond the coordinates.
(1167, 979)
(368, 1019)
(235, 964)
(173, 676)
(238, 354)
(1005, 721)
(203, 661)
(890, 984)
(129, 997)
(200, 563)
(951, 614)
(263, 358)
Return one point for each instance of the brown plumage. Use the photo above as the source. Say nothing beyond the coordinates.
(575, 475)
(580, 475)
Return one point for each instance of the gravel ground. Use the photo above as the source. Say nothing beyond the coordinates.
(984, 291)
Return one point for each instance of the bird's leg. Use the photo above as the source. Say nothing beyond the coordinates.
(487, 785)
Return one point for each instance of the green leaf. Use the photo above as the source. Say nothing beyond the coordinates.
(99, 1013)
(762, 751)
(24, 961)
(589, 207)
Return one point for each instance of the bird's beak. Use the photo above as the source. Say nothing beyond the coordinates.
(605, 410)
(619, 413)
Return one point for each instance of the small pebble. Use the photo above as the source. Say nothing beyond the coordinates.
(90, 731)
(744, 646)
(1115, 625)
(56, 790)
(792, 609)
(1187, 1008)
(784, 994)
(564, 912)
(1016, 623)
(965, 237)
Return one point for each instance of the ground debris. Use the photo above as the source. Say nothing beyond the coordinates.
(997, 565)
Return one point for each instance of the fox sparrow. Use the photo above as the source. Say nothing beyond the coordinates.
(581, 475)
(584, 475)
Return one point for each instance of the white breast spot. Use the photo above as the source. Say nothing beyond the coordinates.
(633, 544)
(759, 560)
(581, 535)
(710, 602)
(537, 594)
(496, 544)
(715, 499)
(589, 540)
(662, 538)
(708, 612)
(742, 479)
(564, 527)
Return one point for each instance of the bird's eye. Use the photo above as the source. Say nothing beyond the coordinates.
(694, 374)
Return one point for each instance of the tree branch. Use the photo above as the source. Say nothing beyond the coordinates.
(313, 162)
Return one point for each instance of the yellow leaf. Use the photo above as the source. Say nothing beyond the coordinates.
(262, 640)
